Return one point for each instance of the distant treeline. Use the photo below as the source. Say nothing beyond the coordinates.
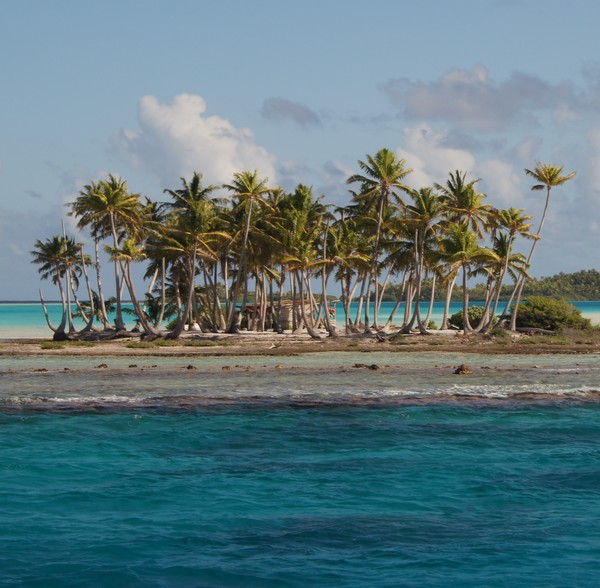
(581, 285)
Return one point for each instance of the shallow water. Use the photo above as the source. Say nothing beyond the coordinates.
(318, 378)
(22, 320)
(300, 471)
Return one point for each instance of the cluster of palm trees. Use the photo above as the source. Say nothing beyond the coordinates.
(251, 256)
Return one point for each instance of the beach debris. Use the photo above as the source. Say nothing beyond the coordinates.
(190, 367)
(463, 370)
(278, 366)
(226, 367)
(133, 365)
(102, 366)
(40, 370)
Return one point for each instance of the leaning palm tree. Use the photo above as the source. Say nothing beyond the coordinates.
(380, 183)
(461, 250)
(547, 176)
(58, 258)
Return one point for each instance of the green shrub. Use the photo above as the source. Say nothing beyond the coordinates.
(475, 314)
(541, 312)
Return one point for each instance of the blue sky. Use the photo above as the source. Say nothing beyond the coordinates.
(152, 90)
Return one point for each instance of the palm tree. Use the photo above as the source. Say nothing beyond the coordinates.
(461, 250)
(547, 176)
(381, 181)
(247, 192)
(463, 203)
(348, 248)
(109, 209)
(421, 216)
(58, 257)
(190, 234)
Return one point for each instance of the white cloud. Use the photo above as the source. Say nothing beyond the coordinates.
(501, 183)
(174, 140)
(430, 158)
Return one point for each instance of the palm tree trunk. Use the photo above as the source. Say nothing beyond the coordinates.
(388, 323)
(119, 323)
(448, 299)
(521, 281)
(103, 313)
(309, 327)
(48, 321)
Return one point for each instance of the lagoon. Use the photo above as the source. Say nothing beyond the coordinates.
(26, 320)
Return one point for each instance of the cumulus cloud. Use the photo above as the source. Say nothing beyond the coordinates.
(502, 182)
(432, 155)
(174, 140)
(282, 109)
(473, 100)
(430, 158)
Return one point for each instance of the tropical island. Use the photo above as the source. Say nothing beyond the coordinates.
(250, 257)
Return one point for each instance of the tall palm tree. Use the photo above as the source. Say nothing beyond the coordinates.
(190, 233)
(380, 183)
(547, 176)
(109, 209)
(421, 216)
(247, 191)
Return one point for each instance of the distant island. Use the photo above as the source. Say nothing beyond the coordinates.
(583, 285)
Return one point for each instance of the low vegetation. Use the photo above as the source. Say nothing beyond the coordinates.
(553, 315)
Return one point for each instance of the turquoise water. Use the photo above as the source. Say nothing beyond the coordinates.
(239, 496)
(18, 320)
(300, 471)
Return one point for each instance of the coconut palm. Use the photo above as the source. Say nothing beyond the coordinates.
(421, 216)
(190, 235)
(247, 192)
(547, 176)
(59, 259)
(109, 209)
(380, 183)
(463, 203)
(461, 250)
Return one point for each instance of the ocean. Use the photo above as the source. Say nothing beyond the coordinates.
(300, 471)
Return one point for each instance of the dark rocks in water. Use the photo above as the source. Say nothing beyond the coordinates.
(190, 367)
(40, 370)
(133, 365)
(463, 370)
(372, 366)
(102, 366)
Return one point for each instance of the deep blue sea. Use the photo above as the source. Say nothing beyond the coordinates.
(300, 471)
(440, 495)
